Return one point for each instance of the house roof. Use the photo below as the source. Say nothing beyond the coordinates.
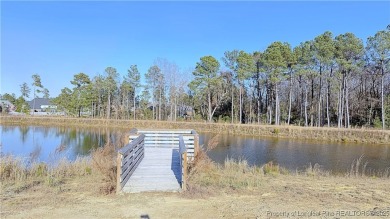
(38, 103)
(5, 102)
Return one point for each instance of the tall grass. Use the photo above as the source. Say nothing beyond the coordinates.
(21, 173)
(103, 161)
(12, 169)
(315, 170)
(24, 174)
(207, 176)
(358, 168)
(234, 174)
(100, 165)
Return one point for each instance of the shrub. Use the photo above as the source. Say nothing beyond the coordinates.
(103, 161)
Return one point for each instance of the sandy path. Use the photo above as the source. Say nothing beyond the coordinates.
(279, 197)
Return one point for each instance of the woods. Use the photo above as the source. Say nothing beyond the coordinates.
(328, 81)
(332, 81)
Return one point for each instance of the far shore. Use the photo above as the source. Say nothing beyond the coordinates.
(331, 134)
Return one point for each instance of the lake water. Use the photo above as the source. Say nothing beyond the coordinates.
(297, 154)
(49, 144)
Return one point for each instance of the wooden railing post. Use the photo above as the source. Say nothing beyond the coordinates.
(184, 171)
(196, 145)
(118, 173)
(183, 163)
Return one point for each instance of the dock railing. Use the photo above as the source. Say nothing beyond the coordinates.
(128, 159)
(130, 156)
(183, 163)
(169, 138)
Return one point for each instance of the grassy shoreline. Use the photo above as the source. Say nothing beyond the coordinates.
(235, 190)
(17, 174)
(356, 135)
(207, 176)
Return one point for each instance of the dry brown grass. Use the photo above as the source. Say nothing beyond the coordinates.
(18, 175)
(103, 160)
(15, 169)
(213, 143)
(21, 174)
(207, 177)
(358, 168)
(12, 169)
(315, 170)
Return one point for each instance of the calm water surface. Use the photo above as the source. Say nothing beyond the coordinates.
(49, 144)
(298, 154)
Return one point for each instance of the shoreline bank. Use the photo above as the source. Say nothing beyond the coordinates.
(231, 190)
(276, 193)
(360, 135)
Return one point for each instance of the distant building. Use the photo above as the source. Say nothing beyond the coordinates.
(6, 106)
(41, 105)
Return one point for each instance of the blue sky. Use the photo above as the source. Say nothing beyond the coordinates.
(59, 39)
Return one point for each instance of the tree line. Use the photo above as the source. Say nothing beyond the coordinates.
(327, 81)
(20, 102)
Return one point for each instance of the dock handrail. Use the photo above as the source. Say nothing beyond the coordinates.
(130, 156)
(128, 159)
(183, 163)
(155, 137)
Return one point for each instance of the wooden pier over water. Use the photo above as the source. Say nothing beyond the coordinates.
(156, 160)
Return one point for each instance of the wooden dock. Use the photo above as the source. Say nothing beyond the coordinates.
(155, 160)
(158, 171)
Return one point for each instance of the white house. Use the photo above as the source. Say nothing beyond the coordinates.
(41, 105)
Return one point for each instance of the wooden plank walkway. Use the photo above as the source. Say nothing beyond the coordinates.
(158, 171)
(156, 160)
